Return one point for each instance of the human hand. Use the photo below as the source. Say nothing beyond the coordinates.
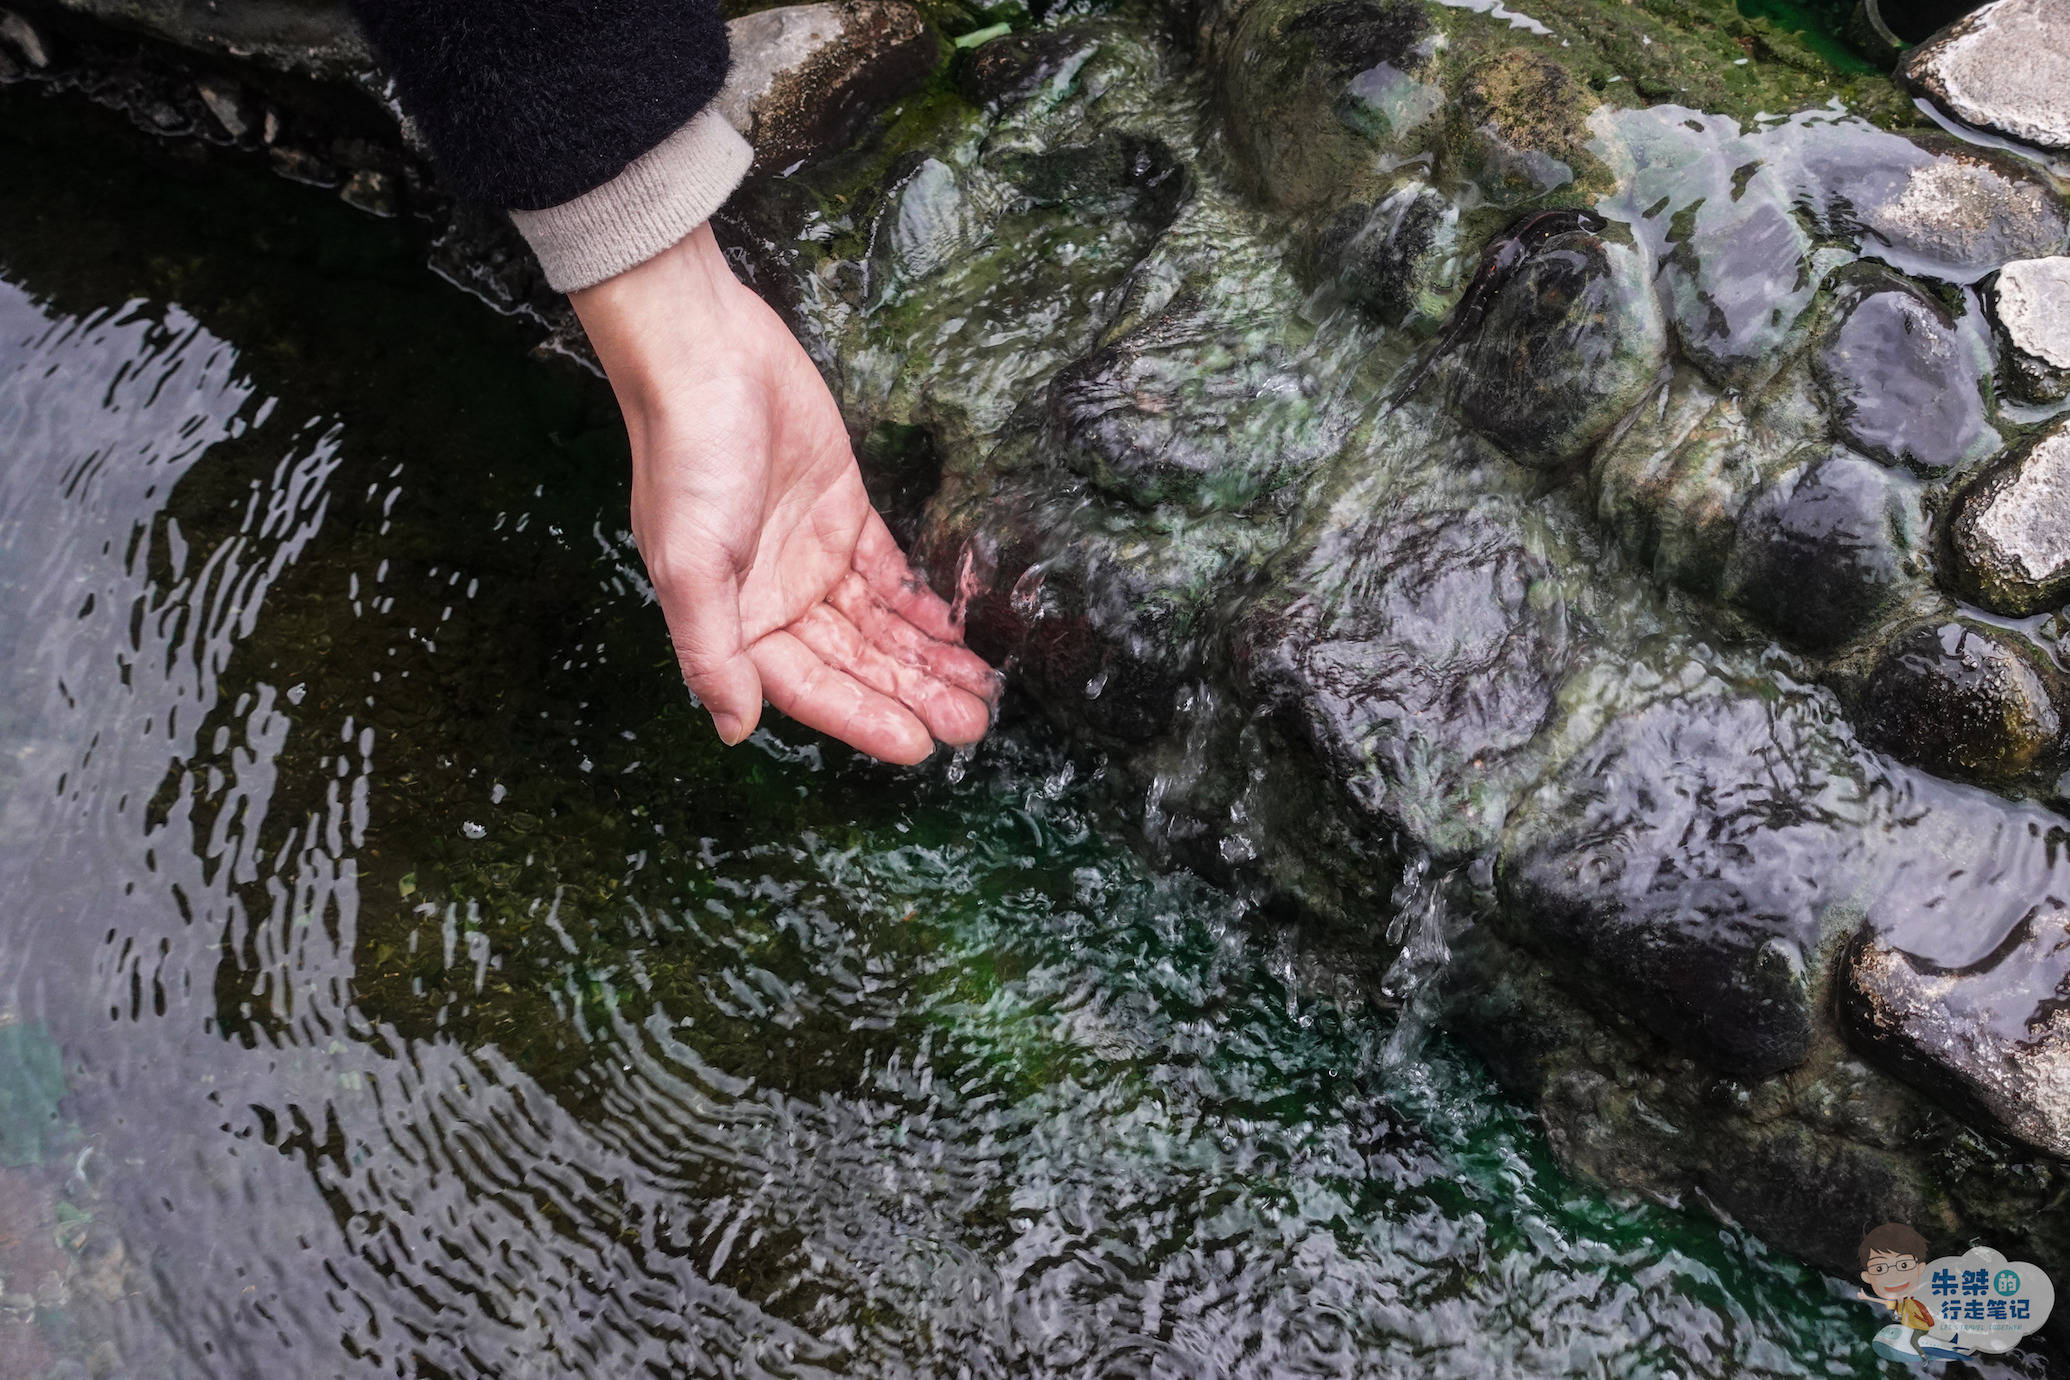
(777, 577)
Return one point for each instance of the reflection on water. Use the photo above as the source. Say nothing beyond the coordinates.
(396, 979)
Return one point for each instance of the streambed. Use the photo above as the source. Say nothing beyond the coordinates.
(397, 980)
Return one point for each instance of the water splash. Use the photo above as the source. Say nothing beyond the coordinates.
(1421, 923)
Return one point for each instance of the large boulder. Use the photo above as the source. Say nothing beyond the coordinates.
(1680, 867)
(2004, 68)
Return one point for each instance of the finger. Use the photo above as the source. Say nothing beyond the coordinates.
(885, 570)
(824, 697)
(951, 715)
(899, 639)
(701, 601)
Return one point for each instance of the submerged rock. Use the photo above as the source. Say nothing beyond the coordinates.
(932, 216)
(1965, 700)
(1572, 342)
(1738, 285)
(1936, 205)
(1398, 259)
(1307, 97)
(1422, 653)
(1190, 410)
(1827, 552)
(2012, 537)
(805, 77)
(1016, 67)
(1988, 1034)
(1905, 386)
(1672, 486)
(1522, 129)
(1677, 867)
(2031, 305)
(2004, 68)
(1114, 173)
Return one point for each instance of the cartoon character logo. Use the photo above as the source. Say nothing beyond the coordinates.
(1893, 1258)
(1951, 1306)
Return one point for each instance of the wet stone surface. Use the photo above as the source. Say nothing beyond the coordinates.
(2005, 68)
(1397, 258)
(1966, 700)
(1438, 468)
(1570, 344)
(1739, 284)
(1940, 206)
(1904, 384)
(1992, 1035)
(1426, 655)
(1826, 552)
(2031, 303)
(2012, 536)
(1677, 867)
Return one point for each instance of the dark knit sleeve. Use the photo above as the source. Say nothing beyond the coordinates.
(531, 103)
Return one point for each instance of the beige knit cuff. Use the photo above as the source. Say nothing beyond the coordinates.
(661, 196)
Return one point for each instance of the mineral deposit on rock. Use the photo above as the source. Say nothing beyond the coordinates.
(2005, 68)
(2012, 537)
(2033, 312)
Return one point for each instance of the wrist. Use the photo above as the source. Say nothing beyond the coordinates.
(648, 322)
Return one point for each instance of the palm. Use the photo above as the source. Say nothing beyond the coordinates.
(778, 578)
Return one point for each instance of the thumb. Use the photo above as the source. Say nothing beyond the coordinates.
(702, 604)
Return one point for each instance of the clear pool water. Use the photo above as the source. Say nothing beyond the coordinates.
(397, 979)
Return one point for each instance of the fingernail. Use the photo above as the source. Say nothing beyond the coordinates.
(731, 729)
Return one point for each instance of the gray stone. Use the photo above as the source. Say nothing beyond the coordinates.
(318, 38)
(1963, 699)
(22, 36)
(2004, 68)
(1826, 552)
(805, 77)
(1905, 385)
(2031, 303)
(1932, 203)
(2012, 537)
(1679, 867)
(1572, 342)
(1737, 286)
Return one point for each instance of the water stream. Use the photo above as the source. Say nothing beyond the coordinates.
(396, 979)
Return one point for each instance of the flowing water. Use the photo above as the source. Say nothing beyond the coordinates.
(396, 978)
